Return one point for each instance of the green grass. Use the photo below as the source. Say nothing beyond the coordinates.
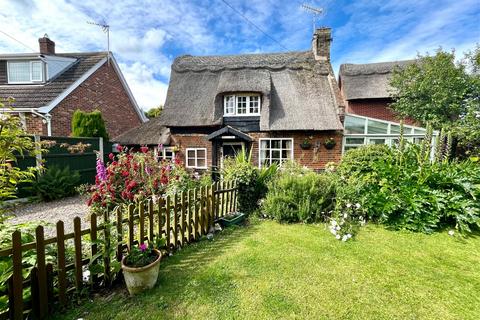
(273, 271)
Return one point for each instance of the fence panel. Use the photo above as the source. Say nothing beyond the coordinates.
(193, 214)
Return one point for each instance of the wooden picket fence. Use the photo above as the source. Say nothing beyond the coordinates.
(179, 219)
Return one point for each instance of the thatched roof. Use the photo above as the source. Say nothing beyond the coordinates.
(368, 81)
(150, 133)
(298, 92)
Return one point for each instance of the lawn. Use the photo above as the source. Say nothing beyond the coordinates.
(273, 271)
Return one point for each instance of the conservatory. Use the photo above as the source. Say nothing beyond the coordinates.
(361, 130)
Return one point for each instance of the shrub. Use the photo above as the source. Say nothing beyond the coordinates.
(251, 181)
(299, 194)
(360, 160)
(88, 124)
(400, 189)
(56, 183)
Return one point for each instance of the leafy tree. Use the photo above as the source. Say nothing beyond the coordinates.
(154, 112)
(442, 92)
(13, 143)
(88, 124)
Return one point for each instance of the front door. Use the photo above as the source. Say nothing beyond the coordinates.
(230, 149)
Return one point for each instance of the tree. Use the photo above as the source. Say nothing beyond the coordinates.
(14, 142)
(439, 91)
(154, 112)
(85, 124)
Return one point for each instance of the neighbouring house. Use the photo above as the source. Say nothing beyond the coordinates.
(48, 87)
(271, 103)
(282, 106)
(367, 94)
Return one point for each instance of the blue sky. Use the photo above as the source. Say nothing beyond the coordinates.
(147, 35)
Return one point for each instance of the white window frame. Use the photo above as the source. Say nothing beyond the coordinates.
(163, 156)
(31, 62)
(235, 108)
(389, 137)
(280, 149)
(196, 158)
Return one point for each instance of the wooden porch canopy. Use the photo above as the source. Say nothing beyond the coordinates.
(228, 130)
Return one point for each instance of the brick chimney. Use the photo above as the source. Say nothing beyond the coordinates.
(321, 43)
(47, 46)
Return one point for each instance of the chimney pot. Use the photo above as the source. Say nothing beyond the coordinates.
(321, 43)
(46, 45)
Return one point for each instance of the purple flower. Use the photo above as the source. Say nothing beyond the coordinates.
(160, 147)
(148, 170)
(142, 247)
(101, 171)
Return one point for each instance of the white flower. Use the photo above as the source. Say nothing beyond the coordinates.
(337, 237)
(344, 238)
(338, 228)
(333, 231)
(345, 215)
(349, 205)
(451, 233)
(360, 218)
(349, 235)
(357, 205)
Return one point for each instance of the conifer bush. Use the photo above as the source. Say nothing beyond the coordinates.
(88, 124)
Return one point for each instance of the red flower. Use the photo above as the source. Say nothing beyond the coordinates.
(125, 173)
(144, 149)
(119, 148)
(111, 156)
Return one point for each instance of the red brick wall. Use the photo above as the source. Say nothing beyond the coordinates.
(374, 108)
(314, 158)
(35, 124)
(104, 91)
(194, 140)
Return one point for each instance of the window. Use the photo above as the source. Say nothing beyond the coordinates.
(275, 151)
(196, 158)
(25, 71)
(229, 105)
(241, 105)
(361, 130)
(166, 154)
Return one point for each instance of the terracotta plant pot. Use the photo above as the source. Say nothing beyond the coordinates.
(143, 278)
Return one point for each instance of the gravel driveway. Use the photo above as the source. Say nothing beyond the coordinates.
(64, 209)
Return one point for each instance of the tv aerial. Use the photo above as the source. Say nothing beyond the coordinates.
(316, 13)
(106, 29)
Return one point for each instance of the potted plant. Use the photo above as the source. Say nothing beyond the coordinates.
(330, 143)
(140, 267)
(307, 143)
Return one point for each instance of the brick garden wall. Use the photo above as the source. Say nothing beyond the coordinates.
(104, 91)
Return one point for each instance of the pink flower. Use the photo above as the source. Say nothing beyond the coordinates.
(142, 247)
(119, 148)
(144, 149)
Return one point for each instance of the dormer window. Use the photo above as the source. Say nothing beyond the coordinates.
(25, 71)
(242, 105)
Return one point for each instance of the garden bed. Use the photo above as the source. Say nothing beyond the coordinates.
(270, 271)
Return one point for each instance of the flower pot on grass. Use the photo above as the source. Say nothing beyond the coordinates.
(140, 268)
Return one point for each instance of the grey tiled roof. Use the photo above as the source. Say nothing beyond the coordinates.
(36, 96)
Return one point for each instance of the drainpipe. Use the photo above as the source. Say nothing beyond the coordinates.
(48, 118)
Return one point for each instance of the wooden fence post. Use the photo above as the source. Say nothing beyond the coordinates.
(93, 238)
(78, 253)
(167, 222)
(106, 257)
(16, 284)
(42, 272)
(141, 226)
(175, 220)
(131, 236)
(151, 213)
(183, 218)
(195, 215)
(161, 210)
(119, 234)
(189, 216)
(62, 273)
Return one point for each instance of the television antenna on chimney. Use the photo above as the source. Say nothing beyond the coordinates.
(106, 29)
(316, 13)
